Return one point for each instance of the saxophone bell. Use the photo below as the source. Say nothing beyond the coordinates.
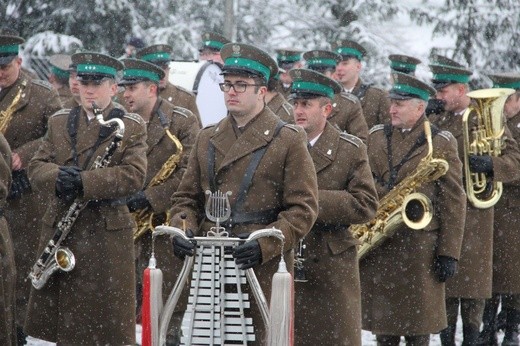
(63, 260)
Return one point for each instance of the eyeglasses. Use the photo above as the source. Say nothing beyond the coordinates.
(237, 87)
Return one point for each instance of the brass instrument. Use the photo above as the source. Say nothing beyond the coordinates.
(7, 115)
(55, 256)
(486, 140)
(144, 217)
(402, 204)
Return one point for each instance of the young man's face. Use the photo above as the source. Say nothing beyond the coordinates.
(243, 103)
(100, 92)
(139, 96)
(311, 114)
(512, 105)
(73, 83)
(210, 54)
(9, 72)
(347, 71)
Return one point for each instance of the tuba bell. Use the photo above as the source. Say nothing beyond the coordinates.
(486, 139)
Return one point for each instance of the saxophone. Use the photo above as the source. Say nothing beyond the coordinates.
(402, 204)
(55, 256)
(486, 140)
(7, 115)
(144, 217)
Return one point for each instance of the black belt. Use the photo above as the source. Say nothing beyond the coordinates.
(110, 202)
(259, 217)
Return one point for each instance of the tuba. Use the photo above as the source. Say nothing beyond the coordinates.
(486, 140)
(402, 204)
(7, 115)
(144, 217)
(55, 256)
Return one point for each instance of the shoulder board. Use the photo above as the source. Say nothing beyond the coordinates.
(377, 88)
(118, 105)
(375, 128)
(350, 138)
(42, 83)
(287, 107)
(210, 125)
(182, 111)
(135, 117)
(292, 127)
(63, 111)
(348, 96)
(447, 135)
(184, 90)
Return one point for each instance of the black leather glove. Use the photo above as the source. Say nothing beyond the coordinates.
(183, 247)
(249, 254)
(19, 185)
(480, 164)
(69, 184)
(435, 106)
(445, 267)
(137, 201)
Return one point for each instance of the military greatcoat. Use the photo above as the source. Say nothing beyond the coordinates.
(7, 266)
(347, 195)
(285, 181)
(347, 115)
(506, 275)
(375, 103)
(183, 125)
(282, 108)
(474, 278)
(400, 293)
(95, 302)
(38, 101)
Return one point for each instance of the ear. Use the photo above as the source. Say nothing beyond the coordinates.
(327, 109)
(113, 89)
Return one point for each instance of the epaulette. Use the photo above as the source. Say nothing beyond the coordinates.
(350, 138)
(446, 134)
(378, 88)
(375, 128)
(209, 126)
(135, 117)
(287, 107)
(185, 90)
(185, 112)
(118, 105)
(292, 127)
(349, 97)
(63, 111)
(42, 83)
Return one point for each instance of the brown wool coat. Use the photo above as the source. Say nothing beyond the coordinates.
(474, 277)
(183, 125)
(282, 108)
(506, 256)
(346, 195)
(347, 115)
(95, 302)
(375, 104)
(285, 179)
(7, 265)
(400, 292)
(28, 124)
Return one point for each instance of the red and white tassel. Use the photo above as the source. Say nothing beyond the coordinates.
(281, 321)
(152, 303)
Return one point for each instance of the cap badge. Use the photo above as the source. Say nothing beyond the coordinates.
(236, 49)
(297, 74)
(88, 57)
(316, 53)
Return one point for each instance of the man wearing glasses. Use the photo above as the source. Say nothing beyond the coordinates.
(280, 192)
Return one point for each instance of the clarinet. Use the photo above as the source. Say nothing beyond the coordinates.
(56, 257)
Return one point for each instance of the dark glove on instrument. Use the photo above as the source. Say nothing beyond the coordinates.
(434, 106)
(137, 201)
(249, 254)
(69, 184)
(183, 247)
(445, 267)
(19, 185)
(480, 164)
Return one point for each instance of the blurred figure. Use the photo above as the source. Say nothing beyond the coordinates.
(287, 59)
(59, 76)
(210, 47)
(132, 46)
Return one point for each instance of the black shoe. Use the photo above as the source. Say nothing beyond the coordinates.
(487, 337)
(448, 336)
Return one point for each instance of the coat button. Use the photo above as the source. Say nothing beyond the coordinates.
(219, 181)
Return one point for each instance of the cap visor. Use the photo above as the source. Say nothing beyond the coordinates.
(241, 71)
(4, 60)
(400, 96)
(303, 95)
